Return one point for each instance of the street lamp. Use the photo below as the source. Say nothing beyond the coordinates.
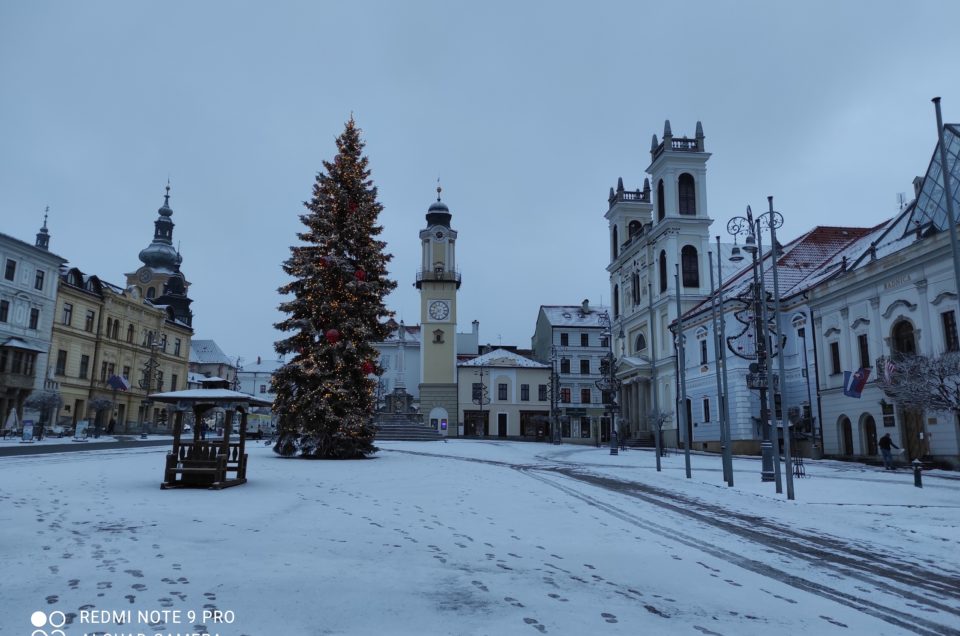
(683, 420)
(757, 378)
(609, 385)
(719, 328)
(481, 397)
(554, 396)
(775, 221)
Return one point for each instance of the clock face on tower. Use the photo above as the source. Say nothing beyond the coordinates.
(439, 310)
(145, 275)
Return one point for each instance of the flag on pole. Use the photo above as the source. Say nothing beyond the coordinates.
(118, 382)
(853, 383)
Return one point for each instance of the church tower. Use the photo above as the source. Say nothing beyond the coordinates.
(438, 282)
(160, 279)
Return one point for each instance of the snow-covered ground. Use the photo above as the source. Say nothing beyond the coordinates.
(475, 537)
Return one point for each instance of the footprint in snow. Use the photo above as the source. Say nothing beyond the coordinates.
(532, 622)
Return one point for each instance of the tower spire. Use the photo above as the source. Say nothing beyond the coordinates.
(43, 236)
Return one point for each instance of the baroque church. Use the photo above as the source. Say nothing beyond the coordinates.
(659, 239)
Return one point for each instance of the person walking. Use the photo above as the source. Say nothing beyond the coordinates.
(885, 444)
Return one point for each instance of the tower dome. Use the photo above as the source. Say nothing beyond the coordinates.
(438, 213)
(160, 255)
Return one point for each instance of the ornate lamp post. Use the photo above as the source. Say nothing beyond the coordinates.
(723, 415)
(609, 385)
(683, 419)
(757, 378)
(775, 220)
(554, 397)
(481, 397)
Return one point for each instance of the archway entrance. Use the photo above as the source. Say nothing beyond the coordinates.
(846, 436)
(868, 433)
(913, 438)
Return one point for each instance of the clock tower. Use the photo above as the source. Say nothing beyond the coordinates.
(438, 281)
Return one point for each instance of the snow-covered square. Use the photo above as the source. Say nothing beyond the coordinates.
(475, 537)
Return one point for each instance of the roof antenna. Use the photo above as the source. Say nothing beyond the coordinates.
(439, 189)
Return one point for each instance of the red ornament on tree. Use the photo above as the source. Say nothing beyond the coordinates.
(367, 367)
(332, 336)
(360, 275)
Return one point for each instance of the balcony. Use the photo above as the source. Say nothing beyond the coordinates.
(679, 144)
(437, 275)
(636, 196)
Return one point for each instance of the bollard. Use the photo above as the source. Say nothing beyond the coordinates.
(917, 479)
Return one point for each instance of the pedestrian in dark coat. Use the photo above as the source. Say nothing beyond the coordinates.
(885, 444)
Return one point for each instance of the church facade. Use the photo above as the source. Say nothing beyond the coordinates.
(659, 239)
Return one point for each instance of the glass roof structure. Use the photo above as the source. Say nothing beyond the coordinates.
(931, 207)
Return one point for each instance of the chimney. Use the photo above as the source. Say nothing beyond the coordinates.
(476, 326)
(586, 305)
(258, 360)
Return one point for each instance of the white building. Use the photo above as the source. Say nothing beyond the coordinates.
(256, 378)
(504, 394)
(29, 275)
(574, 339)
(895, 294)
(801, 263)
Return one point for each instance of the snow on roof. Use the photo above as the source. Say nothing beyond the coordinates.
(202, 395)
(264, 366)
(803, 262)
(503, 358)
(412, 334)
(573, 315)
(208, 352)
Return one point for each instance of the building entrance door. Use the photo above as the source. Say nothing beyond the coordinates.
(501, 424)
(870, 435)
(913, 441)
(846, 433)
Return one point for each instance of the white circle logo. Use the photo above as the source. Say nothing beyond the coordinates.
(38, 619)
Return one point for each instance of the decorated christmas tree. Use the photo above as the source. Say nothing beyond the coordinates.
(335, 311)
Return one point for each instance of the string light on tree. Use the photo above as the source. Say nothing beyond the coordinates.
(334, 314)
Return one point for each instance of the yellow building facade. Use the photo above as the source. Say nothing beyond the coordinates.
(111, 348)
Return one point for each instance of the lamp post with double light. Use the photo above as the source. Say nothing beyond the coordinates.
(608, 384)
(758, 377)
(555, 396)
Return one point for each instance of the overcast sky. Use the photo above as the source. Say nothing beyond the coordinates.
(527, 111)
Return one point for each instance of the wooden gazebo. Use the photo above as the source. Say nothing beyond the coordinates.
(207, 463)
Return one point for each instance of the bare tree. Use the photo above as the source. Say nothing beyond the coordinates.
(923, 383)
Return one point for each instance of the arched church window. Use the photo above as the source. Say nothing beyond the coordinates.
(663, 271)
(641, 342)
(687, 194)
(661, 206)
(904, 340)
(615, 242)
(634, 228)
(151, 292)
(616, 301)
(690, 266)
(130, 333)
